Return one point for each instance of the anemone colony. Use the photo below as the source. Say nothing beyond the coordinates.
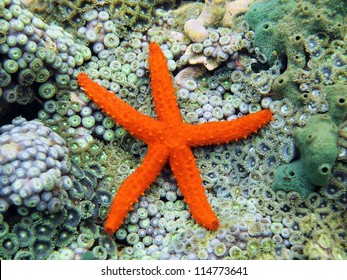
(280, 194)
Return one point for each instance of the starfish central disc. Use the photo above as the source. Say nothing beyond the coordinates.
(173, 138)
(169, 139)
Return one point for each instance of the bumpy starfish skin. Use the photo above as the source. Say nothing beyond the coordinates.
(168, 139)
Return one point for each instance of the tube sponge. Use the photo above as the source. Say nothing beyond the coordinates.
(337, 98)
(317, 143)
(292, 177)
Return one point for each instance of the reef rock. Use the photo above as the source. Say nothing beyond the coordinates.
(233, 10)
(213, 12)
(195, 30)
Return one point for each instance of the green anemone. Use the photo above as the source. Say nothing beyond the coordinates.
(65, 236)
(103, 210)
(109, 135)
(96, 168)
(77, 191)
(15, 53)
(4, 229)
(96, 147)
(3, 37)
(56, 218)
(86, 52)
(9, 245)
(63, 107)
(235, 252)
(41, 249)
(76, 106)
(5, 78)
(62, 80)
(108, 244)
(85, 240)
(267, 245)
(121, 234)
(44, 230)
(220, 250)
(88, 122)
(75, 120)
(50, 56)
(24, 233)
(25, 95)
(24, 255)
(90, 179)
(22, 211)
(36, 65)
(50, 106)
(76, 170)
(99, 252)
(89, 226)
(10, 66)
(132, 238)
(73, 217)
(87, 209)
(42, 75)
(253, 248)
(26, 77)
(41, 53)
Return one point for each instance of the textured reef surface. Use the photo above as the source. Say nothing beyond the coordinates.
(279, 194)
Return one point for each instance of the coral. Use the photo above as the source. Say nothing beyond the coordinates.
(214, 50)
(267, 22)
(34, 51)
(34, 166)
(263, 18)
(195, 30)
(135, 15)
(276, 39)
(212, 13)
(178, 154)
(233, 10)
(187, 12)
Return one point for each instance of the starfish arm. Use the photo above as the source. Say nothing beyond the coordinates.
(226, 131)
(135, 185)
(162, 89)
(187, 175)
(139, 125)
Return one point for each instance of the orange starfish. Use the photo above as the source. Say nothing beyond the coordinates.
(168, 139)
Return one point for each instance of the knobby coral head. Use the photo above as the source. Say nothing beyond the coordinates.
(169, 139)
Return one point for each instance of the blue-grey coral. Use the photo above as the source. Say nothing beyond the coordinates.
(34, 166)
